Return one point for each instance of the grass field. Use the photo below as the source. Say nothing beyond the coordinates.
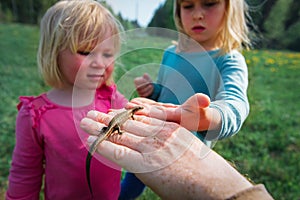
(266, 150)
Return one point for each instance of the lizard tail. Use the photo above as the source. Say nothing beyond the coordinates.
(87, 171)
(89, 159)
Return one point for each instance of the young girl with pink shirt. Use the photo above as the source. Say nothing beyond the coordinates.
(78, 44)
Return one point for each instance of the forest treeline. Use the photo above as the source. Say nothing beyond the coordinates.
(275, 23)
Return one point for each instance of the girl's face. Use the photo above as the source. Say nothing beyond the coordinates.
(87, 69)
(202, 20)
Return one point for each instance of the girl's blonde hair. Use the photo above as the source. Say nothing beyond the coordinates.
(234, 34)
(74, 25)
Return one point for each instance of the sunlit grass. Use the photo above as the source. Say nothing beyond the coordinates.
(266, 149)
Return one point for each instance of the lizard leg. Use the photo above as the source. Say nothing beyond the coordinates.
(118, 129)
(102, 130)
(131, 116)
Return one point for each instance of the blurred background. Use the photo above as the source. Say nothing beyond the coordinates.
(266, 150)
(277, 21)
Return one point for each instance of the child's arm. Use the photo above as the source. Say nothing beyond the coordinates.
(222, 117)
(232, 102)
(25, 178)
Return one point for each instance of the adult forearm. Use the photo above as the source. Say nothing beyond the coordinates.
(206, 176)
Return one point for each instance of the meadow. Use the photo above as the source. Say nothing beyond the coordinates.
(266, 150)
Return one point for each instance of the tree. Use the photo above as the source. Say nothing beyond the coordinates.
(278, 21)
(163, 18)
(291, 37)
(282, 26)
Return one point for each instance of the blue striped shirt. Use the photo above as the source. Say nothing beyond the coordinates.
(224, 78)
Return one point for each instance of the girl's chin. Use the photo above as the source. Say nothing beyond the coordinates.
(87, 88)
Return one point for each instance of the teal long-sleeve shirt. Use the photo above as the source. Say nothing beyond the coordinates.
(224, 78)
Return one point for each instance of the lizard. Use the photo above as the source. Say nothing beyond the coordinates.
(113, 126)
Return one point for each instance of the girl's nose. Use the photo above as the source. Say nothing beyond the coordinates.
(198, 13)
(99, 62)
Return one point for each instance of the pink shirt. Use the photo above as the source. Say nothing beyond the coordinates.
(50, 146)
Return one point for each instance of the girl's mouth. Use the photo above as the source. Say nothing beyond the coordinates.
(198, 29)
(95, 77)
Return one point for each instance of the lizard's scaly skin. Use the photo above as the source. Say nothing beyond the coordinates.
(113, 126)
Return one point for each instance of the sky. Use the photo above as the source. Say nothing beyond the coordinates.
(142, 10)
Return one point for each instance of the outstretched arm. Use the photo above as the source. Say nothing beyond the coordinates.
(194, 114)
(167, 158)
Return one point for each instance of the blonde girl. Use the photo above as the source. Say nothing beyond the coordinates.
(206, 60)
(231, 32)
(207, 28)
(78, 43)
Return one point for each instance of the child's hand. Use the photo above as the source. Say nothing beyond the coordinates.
(144, 85)
(194, 114)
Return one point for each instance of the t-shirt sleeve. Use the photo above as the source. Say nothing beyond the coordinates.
(232, 101)
(25, 178)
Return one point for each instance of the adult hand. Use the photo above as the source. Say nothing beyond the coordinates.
(167, 158)
(146, 144)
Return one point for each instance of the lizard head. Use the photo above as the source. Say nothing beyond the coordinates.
(136, 108)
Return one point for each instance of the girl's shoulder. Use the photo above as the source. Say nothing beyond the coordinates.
(234, 54)
(34, 106)
(171, 48)
(232, 60)
(34, 102)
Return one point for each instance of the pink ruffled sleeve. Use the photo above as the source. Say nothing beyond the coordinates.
(25, 178)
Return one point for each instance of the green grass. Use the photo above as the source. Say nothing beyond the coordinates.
(266, 149)
(18, 77)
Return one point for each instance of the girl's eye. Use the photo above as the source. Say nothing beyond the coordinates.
(108, 55)
(210, 4)
(187, 6)
(83, 53)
